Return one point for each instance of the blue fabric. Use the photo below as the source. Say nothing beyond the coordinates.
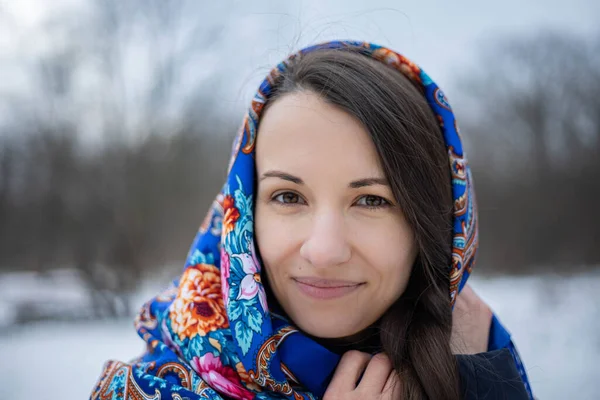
(211, 335)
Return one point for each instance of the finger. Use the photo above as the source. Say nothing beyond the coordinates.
(467, 307)
(376, 374)
(471, 321)
(473, 304)
(393, 387)
(348, 371)
(459, 321)
(463, 300)
(471, 300)
(467, 290)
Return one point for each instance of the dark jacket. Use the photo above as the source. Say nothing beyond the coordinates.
(491, 376)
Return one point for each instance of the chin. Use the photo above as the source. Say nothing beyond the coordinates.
(329, 328)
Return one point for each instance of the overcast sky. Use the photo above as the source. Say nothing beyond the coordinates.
(439, 35)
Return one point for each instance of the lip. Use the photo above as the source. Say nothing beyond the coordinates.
(325, 289)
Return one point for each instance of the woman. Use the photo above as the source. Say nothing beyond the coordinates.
(329, 264)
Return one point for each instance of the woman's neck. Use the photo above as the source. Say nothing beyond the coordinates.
(366, 341)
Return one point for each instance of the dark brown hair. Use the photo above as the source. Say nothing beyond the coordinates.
(415, 331)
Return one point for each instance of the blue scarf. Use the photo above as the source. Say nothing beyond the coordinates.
(211, 335)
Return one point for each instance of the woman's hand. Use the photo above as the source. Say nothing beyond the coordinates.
(379, 381)
(471, 321)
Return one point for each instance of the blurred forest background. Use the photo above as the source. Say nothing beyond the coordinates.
(111, 156)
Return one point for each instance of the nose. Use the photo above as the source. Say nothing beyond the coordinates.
(326, 244)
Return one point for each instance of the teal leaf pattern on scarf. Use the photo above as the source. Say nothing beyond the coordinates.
(243, 335)
(254, 319)
(235, 310)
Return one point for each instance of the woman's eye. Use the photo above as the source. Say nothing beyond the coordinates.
(372, 201)
(288, 198)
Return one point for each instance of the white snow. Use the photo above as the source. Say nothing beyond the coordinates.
(53, 361)
(555, 322)
(59, 291)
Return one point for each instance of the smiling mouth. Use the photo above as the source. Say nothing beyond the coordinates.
(325, 289)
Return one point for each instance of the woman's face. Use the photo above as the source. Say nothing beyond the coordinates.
(336, 248)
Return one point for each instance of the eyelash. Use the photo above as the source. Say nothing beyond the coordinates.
(281, 203)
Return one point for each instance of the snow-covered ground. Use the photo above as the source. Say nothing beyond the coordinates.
(555, 322)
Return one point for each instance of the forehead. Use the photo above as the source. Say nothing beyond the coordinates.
(301, 130)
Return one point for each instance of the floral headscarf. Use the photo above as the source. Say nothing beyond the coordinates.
(211, 335)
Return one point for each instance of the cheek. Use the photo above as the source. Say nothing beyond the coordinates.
(390, 252)
(272, 236)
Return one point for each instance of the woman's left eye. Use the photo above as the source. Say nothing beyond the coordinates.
(372, 201)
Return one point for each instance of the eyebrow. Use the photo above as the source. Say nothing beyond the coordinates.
(368, 182)
(354, 184)
(282, 175)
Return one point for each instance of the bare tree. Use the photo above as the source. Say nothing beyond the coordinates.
(120, 206)
(535, 115)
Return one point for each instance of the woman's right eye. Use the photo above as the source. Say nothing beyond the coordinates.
(288, 198)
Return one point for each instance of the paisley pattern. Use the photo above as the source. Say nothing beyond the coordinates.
(211, 335)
